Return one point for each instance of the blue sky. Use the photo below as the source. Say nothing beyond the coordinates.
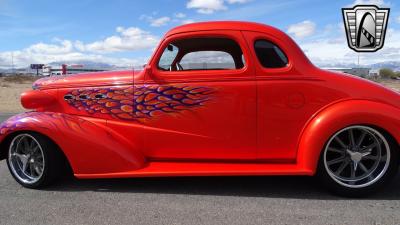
(125, 32)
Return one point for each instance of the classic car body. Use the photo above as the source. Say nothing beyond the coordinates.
(246, 120)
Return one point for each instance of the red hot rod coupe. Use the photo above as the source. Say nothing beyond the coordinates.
(216, 99)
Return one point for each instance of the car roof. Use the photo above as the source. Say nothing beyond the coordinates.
(298, 59)
(225, 25)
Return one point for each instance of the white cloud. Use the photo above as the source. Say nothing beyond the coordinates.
(206, 6)
(302, 29)
(158, 22)
(23, 58)
(188, 21)
(128, 39)
(370, 2)
(180, 15)
(211, 6)
(331, 50)
(64, 46)
(237, 1)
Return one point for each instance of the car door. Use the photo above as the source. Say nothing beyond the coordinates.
(287, 96)
(203, 109)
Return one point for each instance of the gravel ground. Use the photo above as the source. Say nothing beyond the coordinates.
(217, 200)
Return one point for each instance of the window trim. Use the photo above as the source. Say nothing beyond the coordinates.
(203, 34)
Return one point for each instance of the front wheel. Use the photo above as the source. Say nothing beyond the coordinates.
(358, 160)
(33, 160)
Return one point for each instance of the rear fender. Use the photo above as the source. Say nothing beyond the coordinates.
(88, 144)
(341, 115)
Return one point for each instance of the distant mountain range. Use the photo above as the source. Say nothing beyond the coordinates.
(394, 65)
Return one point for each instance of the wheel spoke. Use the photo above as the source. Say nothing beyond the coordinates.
(32, 145)
(338, 140)
(371, 157)
(335, 161)
(25, 145)
(342, 167)
(353, 171)
(31, 169)
(332, 149)
(361, 138)
(38, 168)
(362, 167)
(355, 165)
(24, 165)
(351, 138)
(366, 154)
(34, 149)
(19, 156)
(369, 147)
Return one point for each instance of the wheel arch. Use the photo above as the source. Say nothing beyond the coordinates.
(89, 146)
(337, 116)
(4, 145)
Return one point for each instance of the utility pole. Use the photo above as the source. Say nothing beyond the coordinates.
(12, 62)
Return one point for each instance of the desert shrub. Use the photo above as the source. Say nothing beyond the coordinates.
(387, 73)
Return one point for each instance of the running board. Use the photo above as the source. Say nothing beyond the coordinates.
(174, 169)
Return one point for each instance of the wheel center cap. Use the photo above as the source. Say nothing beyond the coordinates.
(355, 156)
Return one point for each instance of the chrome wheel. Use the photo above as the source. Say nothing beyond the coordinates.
(357, 156)
(26, 159)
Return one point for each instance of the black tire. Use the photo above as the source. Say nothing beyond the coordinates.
(338, 188)
(54, 162)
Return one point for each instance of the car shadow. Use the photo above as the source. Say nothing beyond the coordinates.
(271, 187)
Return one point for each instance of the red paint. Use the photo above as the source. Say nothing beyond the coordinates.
(250, 121)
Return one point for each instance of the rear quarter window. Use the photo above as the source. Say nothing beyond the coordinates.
(270, 55)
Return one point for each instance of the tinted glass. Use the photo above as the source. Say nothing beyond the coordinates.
(270, 55)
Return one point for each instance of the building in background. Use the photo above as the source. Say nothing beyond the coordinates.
(361, 72)
(65, 69)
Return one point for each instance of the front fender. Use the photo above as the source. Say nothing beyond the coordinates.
(341, 115)
(88, 144)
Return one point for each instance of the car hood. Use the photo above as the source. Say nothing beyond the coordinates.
(86, 80)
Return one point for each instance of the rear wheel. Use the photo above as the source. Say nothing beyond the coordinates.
(33, 160)
(358, 160)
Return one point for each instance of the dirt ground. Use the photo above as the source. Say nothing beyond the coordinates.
(393, 84)
(12, 87)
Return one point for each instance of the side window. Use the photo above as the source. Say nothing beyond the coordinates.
(207, 60)
(168, 57)
(202, 54)
(270, 55)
